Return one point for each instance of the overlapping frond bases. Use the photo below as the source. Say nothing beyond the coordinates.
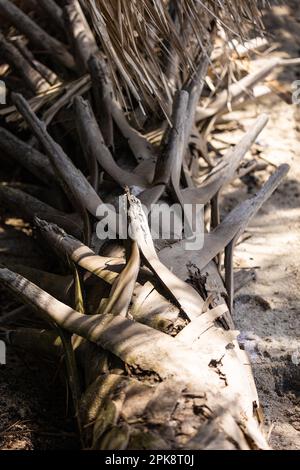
(150, 40)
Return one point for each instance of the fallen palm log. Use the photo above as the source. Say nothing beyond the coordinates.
(151, 353)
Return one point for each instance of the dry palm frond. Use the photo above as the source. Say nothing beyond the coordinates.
(146, 39)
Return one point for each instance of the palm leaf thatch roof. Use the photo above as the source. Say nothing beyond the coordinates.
(148, 42)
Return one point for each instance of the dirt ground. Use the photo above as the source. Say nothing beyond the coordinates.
(267, 310)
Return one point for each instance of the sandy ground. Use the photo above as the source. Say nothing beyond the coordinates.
(268, 310)
(32, 413)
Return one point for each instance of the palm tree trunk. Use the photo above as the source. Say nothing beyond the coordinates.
(153, 361)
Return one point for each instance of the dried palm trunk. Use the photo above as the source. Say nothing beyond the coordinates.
(153, 362)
